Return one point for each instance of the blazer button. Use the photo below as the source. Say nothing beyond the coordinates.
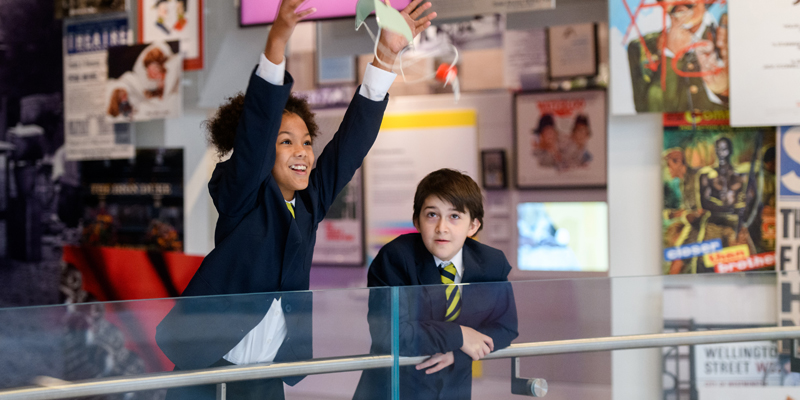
(288, 308)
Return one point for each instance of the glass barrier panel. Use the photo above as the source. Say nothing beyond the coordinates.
(112, 339)
(84, 341)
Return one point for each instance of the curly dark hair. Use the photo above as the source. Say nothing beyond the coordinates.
(221, 127)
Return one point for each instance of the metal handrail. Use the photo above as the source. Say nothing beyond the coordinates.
(164, 380)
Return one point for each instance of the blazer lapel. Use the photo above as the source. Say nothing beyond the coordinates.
(428, 273)
(473, 267)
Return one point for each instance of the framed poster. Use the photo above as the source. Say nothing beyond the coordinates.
(572, 50)
(561, 139)
(167, 20)
(493, 169)
(669, 56)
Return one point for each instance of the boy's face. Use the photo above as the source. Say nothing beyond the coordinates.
(293, 156)
(580, 135)
(444, 229)
(549, 138)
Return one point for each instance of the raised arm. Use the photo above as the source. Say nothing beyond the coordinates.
(234, 186)
(344, 154)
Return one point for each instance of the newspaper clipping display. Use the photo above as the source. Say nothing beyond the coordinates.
(87, 134)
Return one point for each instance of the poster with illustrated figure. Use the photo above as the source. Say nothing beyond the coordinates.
(561, 139)
(668, 55)
(719, 195)
(167, 20)
(144, 82)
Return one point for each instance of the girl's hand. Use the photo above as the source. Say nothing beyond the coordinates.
(392, 43)
(285, 22)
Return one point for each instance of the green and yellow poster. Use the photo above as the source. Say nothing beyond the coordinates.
(719, 195)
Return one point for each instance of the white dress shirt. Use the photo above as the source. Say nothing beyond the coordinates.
(261, 344)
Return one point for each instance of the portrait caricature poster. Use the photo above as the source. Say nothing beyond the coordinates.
(668, 55)
(167, 20)
(719, 195)
(561, 139)
(144, 82)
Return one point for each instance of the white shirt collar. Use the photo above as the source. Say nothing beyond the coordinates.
(458, 262)
(291, 201)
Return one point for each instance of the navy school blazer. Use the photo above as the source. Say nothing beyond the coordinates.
(259, 247)
(489, 309)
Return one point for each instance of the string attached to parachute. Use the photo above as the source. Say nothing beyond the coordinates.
(391, 19)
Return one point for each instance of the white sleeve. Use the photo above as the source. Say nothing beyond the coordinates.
(376, 83)
(270, 72)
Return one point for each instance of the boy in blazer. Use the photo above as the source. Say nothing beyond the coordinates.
(454, 324)
(270, 203)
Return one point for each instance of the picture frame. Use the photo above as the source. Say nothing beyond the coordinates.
(561, 139)
(572, 51)
(168, 20)
(493, 169)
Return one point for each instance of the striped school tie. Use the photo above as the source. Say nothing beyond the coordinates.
(291, 209)
(453, 295)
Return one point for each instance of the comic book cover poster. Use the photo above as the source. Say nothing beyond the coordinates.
(719, 195)
(134, 203)
(668, 55)
(144, 82)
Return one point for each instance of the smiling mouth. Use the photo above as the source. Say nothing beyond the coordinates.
(298, 168)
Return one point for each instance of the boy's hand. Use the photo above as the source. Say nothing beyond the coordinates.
(437, 362)
(476, 344)
(392, 43)
(285, 22)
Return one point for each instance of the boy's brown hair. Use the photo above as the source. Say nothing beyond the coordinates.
(453, 187)
(222, 127)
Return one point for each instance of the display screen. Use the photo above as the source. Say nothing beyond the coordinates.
(562, 236)
(259, 12)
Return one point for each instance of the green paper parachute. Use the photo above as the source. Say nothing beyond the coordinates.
(388, 18)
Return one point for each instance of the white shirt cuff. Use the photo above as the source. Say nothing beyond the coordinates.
(376, 83)
(270, 72)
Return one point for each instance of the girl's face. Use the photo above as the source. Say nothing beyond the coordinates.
(163, 10)
(294, 156)
(155, 71)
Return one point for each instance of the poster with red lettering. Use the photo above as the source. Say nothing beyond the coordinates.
(561, 139)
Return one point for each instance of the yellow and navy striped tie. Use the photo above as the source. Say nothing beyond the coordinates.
(453, 295)
(291, 209)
